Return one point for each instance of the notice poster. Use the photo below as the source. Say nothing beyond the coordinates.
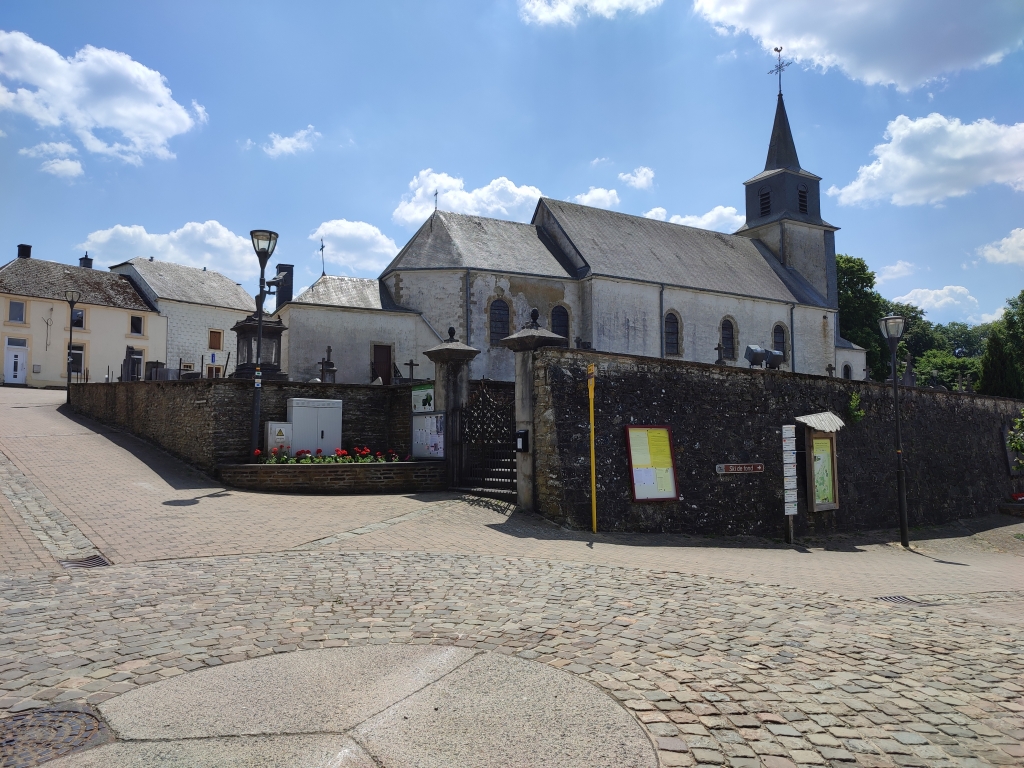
(824, 482)
(423, 398)
(428, 436)
(652, 468)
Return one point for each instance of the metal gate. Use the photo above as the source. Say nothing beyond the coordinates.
(485, 457)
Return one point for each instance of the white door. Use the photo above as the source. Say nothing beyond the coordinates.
(14, 365)
(329, 426)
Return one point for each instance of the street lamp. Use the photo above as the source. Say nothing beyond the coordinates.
(892, 329)
(263, 242)
(71, 297)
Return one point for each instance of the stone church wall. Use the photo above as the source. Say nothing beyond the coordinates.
(206, 422)
(956, 461)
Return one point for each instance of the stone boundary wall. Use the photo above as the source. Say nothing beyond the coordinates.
(206, 422)
(390, 477)
(956, 462)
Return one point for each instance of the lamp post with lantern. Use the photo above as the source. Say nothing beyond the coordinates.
(71, 297)
(263, 242)
(892, 327)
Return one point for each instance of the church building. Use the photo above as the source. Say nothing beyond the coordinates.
(632, 285)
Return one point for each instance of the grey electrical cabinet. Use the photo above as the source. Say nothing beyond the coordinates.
(315, 424)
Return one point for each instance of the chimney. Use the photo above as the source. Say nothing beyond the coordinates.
(284, 288)
(24, 251)
(85, 261)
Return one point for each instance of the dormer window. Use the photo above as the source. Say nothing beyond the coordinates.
(764, 198)
(801, 194)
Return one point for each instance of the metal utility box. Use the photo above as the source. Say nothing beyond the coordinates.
(279, 435)
(315, 424)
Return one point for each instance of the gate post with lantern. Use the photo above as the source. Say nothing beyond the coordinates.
(451, 360)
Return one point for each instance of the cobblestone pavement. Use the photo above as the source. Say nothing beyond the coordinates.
(744, 655)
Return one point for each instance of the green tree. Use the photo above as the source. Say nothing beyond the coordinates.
(965, 340)
(1000, 374)
(919, 335)
(949, 368)
(860, 307)
(1013, 322)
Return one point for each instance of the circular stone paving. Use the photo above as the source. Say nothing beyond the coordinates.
(387, 705)
(33, 738)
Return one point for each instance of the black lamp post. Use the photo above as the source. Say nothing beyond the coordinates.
(71, 297)
(892, 328)
(263, 241)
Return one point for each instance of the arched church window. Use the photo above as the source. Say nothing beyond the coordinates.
(779, 339)
(499, 320)
(728, 340)
(764, 199)
(671, 334)
(801, 194)
(847, 371)
(560, 321)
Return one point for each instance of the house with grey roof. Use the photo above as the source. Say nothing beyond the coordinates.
(200, 307)
(111, 322)
(371, 336)
(634, 285)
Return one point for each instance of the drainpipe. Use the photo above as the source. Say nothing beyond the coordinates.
(661, 317)
(468, 342)
(792, 338)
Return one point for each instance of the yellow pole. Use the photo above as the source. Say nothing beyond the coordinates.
(593, 462)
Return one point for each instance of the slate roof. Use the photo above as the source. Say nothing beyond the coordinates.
(49, 279)
(632, 247)
(343, 291)
(176, 282)
(456, 241)
(781, 147)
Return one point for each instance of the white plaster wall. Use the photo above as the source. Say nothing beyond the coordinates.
(438, 294)
(105, 337)
(351, 334)
(188, 333)
(856, 358)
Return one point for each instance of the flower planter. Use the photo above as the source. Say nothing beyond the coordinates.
(376, 477)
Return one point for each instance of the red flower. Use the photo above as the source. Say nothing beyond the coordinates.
(257, 452)
(342, 453)
(379, 454)
(319, 451)
(274, 451)
(337, 451)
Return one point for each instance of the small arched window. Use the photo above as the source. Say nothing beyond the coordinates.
(847, 371)
(560, 321)
(728, 340)
(499, 320)
(764, 200)
(801, 196)
(671, 334)
(779, 339)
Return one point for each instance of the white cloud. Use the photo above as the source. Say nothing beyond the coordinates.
(66, 169)
(568, 11)
(599, 160)
(207, 244)
(943, 298)
(988, 317)
(500, 197)
(1009, 250)
(49, 149)
(300, 141)
(895, 271)
(3, 135)
(932, 158)
(660, 214)
(877, 41)
(640, 178)
(721, 218)
(96, 90)
(202, 116)
(598, 197)
(355, 245)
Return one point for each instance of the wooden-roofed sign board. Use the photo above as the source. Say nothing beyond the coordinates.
(651, 463)
(822, 485)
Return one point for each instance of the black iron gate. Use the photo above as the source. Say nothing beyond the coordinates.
(485, 457)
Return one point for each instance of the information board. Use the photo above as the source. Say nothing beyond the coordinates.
(428, 435)
(423, 398)
(651, 463)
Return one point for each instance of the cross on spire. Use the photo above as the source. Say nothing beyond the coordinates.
(435, 199)
(777, 69)
(323, 264)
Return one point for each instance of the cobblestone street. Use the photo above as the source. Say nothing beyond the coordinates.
(739, 653)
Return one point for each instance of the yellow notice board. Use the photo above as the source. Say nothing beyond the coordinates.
(651, 463)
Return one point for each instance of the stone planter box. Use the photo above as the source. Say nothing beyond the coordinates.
(390, 477)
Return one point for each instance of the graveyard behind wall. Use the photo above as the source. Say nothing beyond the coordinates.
(957, 465)
(207, 422)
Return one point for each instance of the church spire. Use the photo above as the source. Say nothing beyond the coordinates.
(781, 148)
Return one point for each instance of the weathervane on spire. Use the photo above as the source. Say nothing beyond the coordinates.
(777, 69)
(323, 264)
(435, 199)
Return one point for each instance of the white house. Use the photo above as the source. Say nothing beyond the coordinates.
(200, 307)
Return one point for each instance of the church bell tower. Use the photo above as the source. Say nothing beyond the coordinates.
(784, 212)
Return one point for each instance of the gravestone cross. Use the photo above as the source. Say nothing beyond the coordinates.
(410, 365)
(721, 357)
(831, 369)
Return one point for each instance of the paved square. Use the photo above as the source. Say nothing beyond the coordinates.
(738, 653)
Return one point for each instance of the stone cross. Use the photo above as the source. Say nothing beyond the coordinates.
(831, 369)
(410, 365)
(327, 368)
(721, 354)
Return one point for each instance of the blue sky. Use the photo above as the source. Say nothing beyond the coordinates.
(172, 129)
